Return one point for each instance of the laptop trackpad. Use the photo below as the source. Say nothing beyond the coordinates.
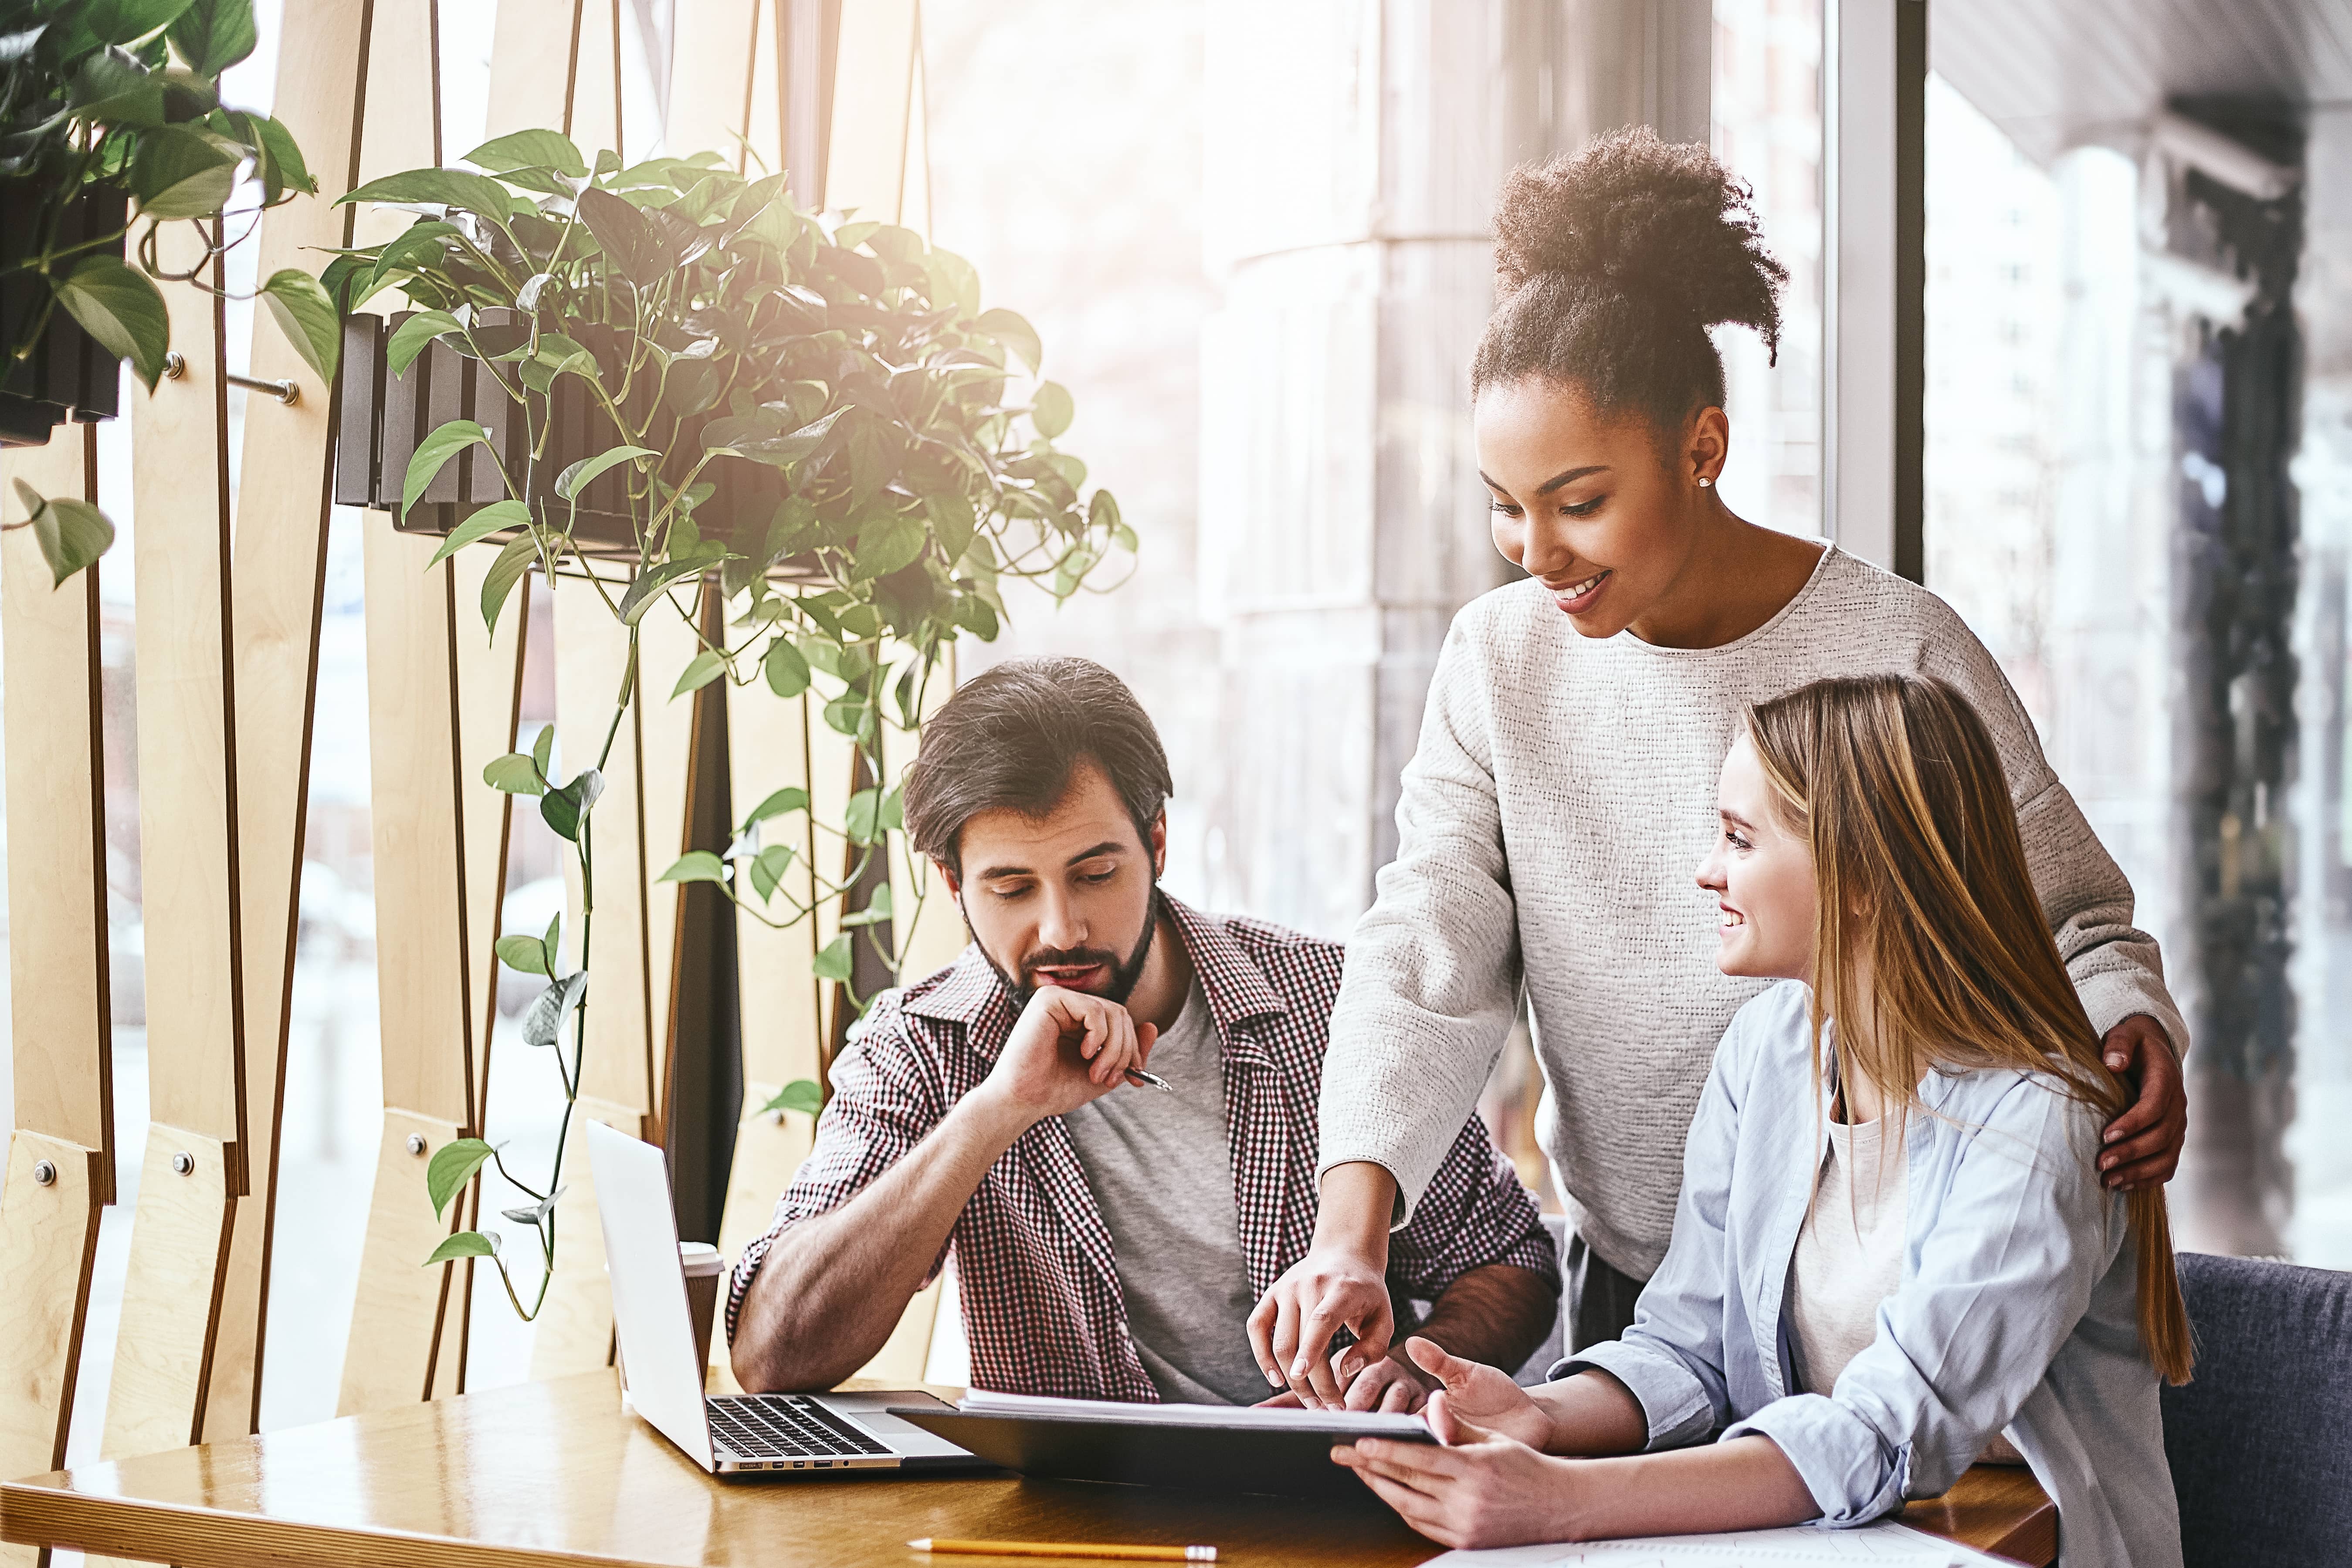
(871, 1411)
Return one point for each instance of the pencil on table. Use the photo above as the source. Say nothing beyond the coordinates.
(1069, 1549)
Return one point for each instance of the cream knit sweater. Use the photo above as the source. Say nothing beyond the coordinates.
(1562, 798)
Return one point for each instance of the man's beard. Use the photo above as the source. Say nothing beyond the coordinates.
(1124, 976)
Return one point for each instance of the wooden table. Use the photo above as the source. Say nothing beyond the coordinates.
(556, 1473)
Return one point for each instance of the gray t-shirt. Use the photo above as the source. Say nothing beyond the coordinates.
(1162, 1173)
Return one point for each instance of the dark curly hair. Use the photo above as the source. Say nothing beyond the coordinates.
(1611, 263)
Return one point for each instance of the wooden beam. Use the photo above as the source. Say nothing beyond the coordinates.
(714, 61)
(415, 770)
(665, 768)
(422, 979)
(60, 1024)
(534, 65)
(282, 508)
(188, 871)
(61, 1155)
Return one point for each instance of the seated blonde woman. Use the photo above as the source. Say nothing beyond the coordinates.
(1891, 1250)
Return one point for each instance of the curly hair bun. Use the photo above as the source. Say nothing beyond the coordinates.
(1641, 217)
(1629, 237)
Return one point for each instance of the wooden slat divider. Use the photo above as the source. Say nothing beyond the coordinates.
(282, 510)
(60, 1028)
(188, 873)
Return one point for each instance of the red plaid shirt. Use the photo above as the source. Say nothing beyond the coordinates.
(1042, 1302)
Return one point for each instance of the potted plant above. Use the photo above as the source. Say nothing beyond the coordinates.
(104, 104)
(659, 381)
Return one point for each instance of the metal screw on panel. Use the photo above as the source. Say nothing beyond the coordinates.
(416, 1142)
(183, 1163)
(44, 1174)
(176, 365)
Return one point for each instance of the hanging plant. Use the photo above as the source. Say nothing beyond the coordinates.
(811, 413)
(105, 103)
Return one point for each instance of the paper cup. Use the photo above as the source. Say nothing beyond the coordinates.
(706, 1271)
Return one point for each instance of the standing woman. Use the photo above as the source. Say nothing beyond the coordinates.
(1567, 760)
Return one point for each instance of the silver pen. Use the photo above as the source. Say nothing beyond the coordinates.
(1150, 1079)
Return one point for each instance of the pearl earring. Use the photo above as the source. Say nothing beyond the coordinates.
(1705, 483)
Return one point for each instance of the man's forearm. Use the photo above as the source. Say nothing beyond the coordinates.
(1497, 1313)
(832, 1287)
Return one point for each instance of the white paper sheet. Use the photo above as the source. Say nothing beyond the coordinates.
(1355, 1423)
(1872, 1546)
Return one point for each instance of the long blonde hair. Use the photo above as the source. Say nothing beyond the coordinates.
(1924, 898)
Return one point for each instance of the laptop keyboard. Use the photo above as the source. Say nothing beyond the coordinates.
(782, 1426)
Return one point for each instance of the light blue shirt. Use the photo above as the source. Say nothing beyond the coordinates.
(2017, 1308)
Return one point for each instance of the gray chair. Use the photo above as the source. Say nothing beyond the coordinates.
(2261, 1439)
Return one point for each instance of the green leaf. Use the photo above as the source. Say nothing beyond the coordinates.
(409, 339)
(876, 909)
(759, 441)
(307, 318)
(529, 150)
(697, 865)
(482, 525)
(453, 1165)
(848, 714)
(282, 165)
(1049, 409)
(505, 573)
(122, 309)
(1015, 333)
(465, 1244)
(886, 545)
(802, 1095)
(861, 821)
(560, 809)
(768, 868)
(71, 533)
(704, 670)
(513, 773)
(834, 964)
(894, 808)
(577, 477)
(787, 672)
(552, 1008)
(179, 171)
(647, 587)
(790, 798)
(449, 187)
(436, 449)
(214, 34)
(112, 88)
(417, 245)
(524, 954)
(954, 521)
(1103, 513)
(543, 747)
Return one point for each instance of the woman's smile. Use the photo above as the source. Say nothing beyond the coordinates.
(1578, 596)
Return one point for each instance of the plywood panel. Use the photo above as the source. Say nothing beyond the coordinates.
(866, 166)
(282, 508)
(422, 986)
(57, 861)
(51, 1237)
(534, 63)
(399, 1305)
(187, 773)
(595, 110)
(575, 1327)
(179, 1244)
(713, 56)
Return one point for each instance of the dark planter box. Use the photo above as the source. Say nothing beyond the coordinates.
(68, 376)
(385, 417)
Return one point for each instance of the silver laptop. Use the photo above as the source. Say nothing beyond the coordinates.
(732, 1434)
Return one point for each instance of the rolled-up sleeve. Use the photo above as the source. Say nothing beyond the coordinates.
(1672, 1359)
(883, 1103)
(2024, 1236)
